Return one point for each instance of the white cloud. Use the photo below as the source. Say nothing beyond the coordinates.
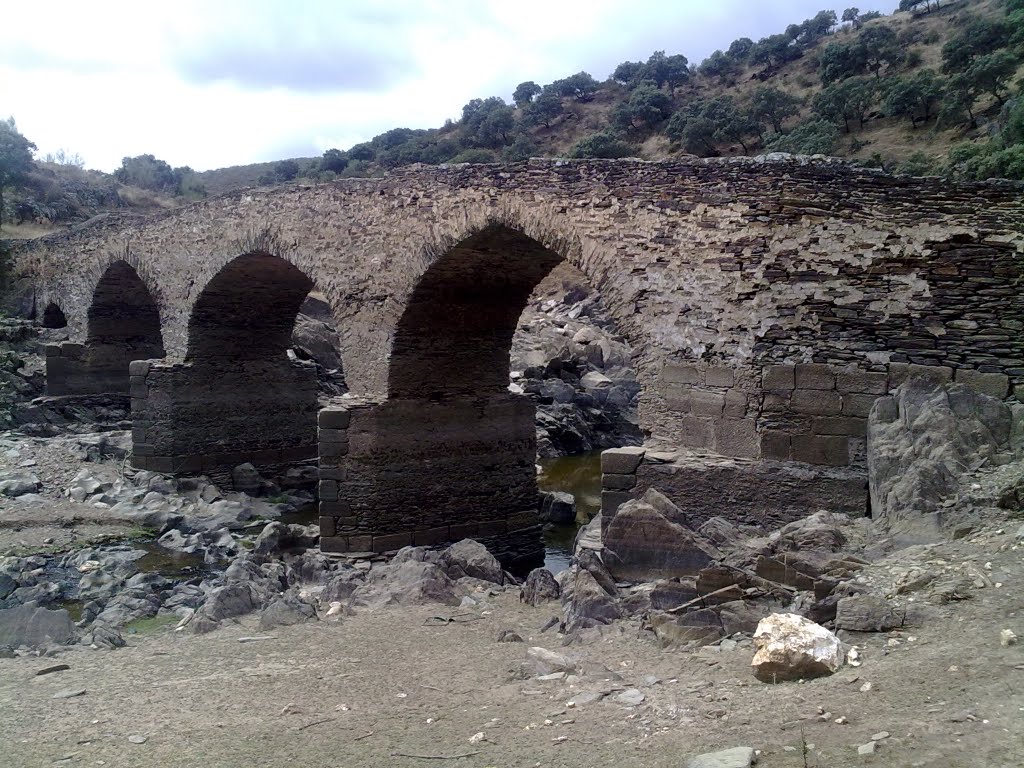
(215, 84)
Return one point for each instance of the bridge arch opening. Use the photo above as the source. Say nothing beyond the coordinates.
(122, 325)
(54, 317)
(247, 392)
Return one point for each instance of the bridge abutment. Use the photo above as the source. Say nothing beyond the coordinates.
(205, 418)
(411, 472)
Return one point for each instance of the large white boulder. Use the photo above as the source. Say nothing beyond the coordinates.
(790, 647)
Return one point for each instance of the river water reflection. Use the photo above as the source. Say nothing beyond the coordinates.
(579, 475)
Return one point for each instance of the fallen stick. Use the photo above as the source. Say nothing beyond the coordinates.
(364, 736)
(701, 599)
(435, 757)
(316, 722)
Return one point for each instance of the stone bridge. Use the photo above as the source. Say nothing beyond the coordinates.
(767, 302)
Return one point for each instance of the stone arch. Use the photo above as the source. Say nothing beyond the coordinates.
(455, 332)
(238, 397)
(54, 317)
(247, 310)
(123, 320)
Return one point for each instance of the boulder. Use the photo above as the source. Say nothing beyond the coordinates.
(277, 538)
(695, 628)
(584, 602)
(866, 613)
(540, 587)
(408, 583)
(647, 539)
(246, 479)
(541, 661)
(286, 611)
(921, 441)
(471, 558)
(737, 757)
(558, 507)
(33, 627)
(16, 484)
(790, 647)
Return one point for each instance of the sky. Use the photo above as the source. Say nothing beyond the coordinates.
(214, 83)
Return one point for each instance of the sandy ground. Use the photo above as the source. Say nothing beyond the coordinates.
(388, 689)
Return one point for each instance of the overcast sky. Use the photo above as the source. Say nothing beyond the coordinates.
(226, 82)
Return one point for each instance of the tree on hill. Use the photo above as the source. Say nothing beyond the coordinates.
(915, 97)
(872, 49)
(149, 172)
(544, 109)
(15, 157)
(581, 86)
(850, 99)
(627, 72)
(774, 51)
(979, 37)
(852, 15)
(488, 122)
(739, 49)
(815, 137)
(992, 72)
(334, 160)
(720, 65)
(525, 93)
(773, 106)
(672, 71)
(703, 125)
(645, 106)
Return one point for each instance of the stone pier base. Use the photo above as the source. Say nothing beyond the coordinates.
(411, 472)
(204, 418)
(78, 369)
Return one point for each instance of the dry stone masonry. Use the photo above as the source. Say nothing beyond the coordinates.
(768, 302)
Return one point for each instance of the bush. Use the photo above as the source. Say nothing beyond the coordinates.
(816, 137)
(605, 145)
(474, 156)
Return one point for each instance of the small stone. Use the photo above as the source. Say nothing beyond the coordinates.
(880, 736)
(867, 749)
(69, 693)
(54, 668)
(136, 739)
(509, 636)
(865, 688)
(631, 697)
(1007, 637)
(737, 757)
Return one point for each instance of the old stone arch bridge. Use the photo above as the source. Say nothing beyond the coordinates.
(767, 301)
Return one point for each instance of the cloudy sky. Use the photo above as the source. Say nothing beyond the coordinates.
(212, 83)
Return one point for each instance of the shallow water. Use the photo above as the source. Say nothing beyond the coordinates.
(579, 475)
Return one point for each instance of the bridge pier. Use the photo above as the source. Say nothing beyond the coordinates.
(412, 472)
(208, 417)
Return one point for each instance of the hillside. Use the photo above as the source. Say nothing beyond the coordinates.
(933, 89)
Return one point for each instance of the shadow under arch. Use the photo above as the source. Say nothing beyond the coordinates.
(239, 397)
(54, 317)
(450, 454)
(122, 325)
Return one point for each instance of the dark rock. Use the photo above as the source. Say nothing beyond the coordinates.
(16, 484)
(866, 613)
(592, 561)
(540, 587)
(699, 627)
(409, 583)
(34, 627)
(671, 593)
(416, 555)
(277, 538)
(584, 602)
(558, 508)
(509, 636)
(100, 635)
(743, 615)
(286, 611)
(646, 540)
(471, 558)
(234, 599)
(246, 479)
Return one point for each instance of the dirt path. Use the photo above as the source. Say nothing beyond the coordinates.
(359, 692)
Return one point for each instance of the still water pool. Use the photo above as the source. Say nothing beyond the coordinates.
(579, 475)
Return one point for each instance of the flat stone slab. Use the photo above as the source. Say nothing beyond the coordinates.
(737, 757)
(622, 461)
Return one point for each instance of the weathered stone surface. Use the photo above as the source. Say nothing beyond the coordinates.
(410, 583)
(33, 627)
(471, 558)
(644, 541)
(622, 461)
(790, 647)
(286, 611)
(737, 757)
(921, 441)
(584, 602)
(866, 613)
(540, 587)
(18, 484)
(699, 627)
(558, 507)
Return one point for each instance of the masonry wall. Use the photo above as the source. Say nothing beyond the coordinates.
(207, 418)
(76, 369)
(412, 472)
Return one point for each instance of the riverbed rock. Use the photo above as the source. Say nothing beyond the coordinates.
(246, 479)
(558, 507)
(737, 757)
(584, 602)
(541, 661)
(790, 647)
(648, 540)
(540, 587)
(14, 484)
(471, 558)
(693, 628)
(277, 538)
(866, 613)
(921, 440)
(286, 611)
(30, 626)
(409, 583)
